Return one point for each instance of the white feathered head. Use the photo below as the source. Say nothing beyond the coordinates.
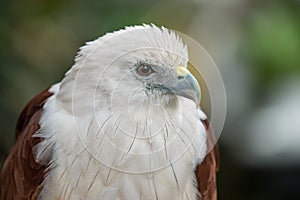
(141, 65)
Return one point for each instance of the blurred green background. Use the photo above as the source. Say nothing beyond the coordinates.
(256, 45)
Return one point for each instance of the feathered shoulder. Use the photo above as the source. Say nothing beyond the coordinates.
(21, 176)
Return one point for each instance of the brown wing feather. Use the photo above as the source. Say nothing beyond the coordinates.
(206, 171)
(21, 175)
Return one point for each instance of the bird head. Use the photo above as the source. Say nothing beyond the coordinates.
(135, 82)
(141, 65)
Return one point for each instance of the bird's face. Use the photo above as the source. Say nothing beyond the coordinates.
(140, 66)
(149, 87)
(166, 82)
(147, 67)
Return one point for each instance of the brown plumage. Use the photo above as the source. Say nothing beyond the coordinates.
(206, 171)
(21, 176)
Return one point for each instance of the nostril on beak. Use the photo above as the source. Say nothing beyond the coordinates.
(180, 77)
(181, 72)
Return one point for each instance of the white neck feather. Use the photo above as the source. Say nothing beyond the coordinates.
(95, 159)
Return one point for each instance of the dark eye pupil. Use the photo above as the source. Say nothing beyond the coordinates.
(145, 69)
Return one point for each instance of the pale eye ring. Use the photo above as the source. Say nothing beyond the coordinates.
(144, 70)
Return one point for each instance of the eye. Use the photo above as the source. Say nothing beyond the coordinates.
(144, 70)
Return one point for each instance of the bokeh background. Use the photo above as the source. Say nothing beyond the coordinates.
(256, 45)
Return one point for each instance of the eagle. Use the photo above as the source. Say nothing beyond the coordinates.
(123, 123)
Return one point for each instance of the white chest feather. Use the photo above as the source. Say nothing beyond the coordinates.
(111, 155)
